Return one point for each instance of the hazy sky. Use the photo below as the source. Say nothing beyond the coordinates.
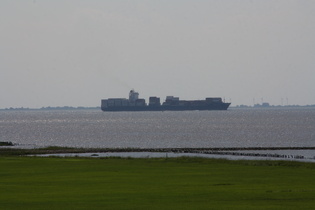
(75, 52)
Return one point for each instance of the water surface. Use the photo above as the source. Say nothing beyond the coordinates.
(271, 127)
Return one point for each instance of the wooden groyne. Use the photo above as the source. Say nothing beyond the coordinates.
(233, 151)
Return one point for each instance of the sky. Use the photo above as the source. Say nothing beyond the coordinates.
(77, 52)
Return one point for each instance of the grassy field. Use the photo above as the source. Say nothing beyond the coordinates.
(173, 183)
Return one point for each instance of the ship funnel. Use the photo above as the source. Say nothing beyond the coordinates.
(133, 96)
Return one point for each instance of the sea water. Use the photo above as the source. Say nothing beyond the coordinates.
(269, 127)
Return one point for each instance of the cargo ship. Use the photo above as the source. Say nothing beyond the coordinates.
(134, 103)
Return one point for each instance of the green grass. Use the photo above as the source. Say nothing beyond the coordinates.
(173, 183)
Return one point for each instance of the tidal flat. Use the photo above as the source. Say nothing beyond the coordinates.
(155, 183)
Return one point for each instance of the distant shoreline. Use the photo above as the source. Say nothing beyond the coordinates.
(51, 108)
(99, 108)
(272, 106)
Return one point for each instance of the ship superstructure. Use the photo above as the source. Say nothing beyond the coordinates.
(134, 103)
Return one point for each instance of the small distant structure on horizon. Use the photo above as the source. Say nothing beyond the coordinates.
(264, 105)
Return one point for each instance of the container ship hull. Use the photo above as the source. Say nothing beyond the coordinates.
(165, 108)
(171, 104)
